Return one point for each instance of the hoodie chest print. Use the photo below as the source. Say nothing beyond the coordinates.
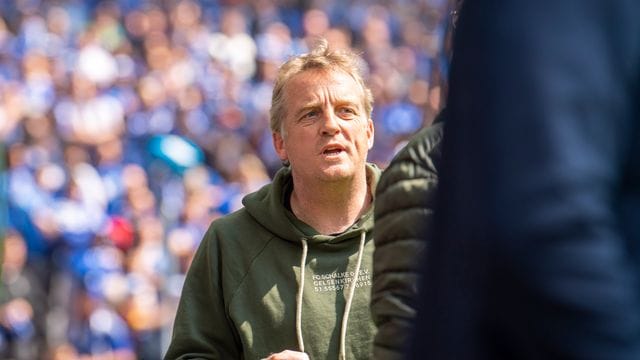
(338, 281)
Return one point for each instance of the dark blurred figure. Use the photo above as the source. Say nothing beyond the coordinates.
(537, 246)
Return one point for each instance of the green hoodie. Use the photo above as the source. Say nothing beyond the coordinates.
(240, 298)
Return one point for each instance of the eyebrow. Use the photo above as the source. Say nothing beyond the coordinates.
(306, 108)
(315, 105)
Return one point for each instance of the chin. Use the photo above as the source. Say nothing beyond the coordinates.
(337, 173)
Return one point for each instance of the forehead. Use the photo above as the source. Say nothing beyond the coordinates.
(321, 85)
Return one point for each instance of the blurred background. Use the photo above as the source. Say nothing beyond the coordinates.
(128, 125)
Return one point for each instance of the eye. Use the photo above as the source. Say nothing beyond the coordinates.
(347, 112)
(310, 114)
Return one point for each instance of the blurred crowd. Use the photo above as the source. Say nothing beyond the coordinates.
(128, 125)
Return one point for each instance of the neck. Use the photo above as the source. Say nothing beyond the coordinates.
(331, 208)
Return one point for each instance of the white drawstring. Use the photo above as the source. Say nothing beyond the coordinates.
(300, 292)
(352, 290)
(347, 308)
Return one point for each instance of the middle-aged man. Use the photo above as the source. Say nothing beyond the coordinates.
(537, 247)
(287, 276)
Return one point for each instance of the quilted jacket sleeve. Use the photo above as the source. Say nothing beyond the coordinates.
(405, 198)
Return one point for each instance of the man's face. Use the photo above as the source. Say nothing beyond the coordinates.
(326, 133)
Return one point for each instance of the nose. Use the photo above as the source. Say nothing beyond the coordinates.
(330, 125)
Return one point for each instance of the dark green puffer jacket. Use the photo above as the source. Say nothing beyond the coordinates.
(405, 199)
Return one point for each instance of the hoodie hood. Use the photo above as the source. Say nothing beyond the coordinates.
(267, 207)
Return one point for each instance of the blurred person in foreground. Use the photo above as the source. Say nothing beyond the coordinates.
(537, 246)
(288, 275)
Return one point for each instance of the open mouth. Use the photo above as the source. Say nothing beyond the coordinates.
(332, 151)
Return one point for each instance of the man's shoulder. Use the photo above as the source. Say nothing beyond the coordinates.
(236, 220)
(237, 238)
(424, 142)
(419, 157)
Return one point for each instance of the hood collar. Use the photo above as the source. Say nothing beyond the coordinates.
(267, 207)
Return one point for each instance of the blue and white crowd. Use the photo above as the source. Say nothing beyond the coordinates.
(128, 125)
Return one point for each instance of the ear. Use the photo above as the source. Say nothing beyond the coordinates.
(370, 133)
(278, 144)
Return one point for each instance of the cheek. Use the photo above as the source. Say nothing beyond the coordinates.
(297, 146)
(365, 135)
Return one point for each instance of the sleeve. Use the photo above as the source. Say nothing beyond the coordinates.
(403, 212)
(202, 329)
(530, 260)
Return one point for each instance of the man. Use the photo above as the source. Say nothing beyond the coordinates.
(287, 276)
(537, 246)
